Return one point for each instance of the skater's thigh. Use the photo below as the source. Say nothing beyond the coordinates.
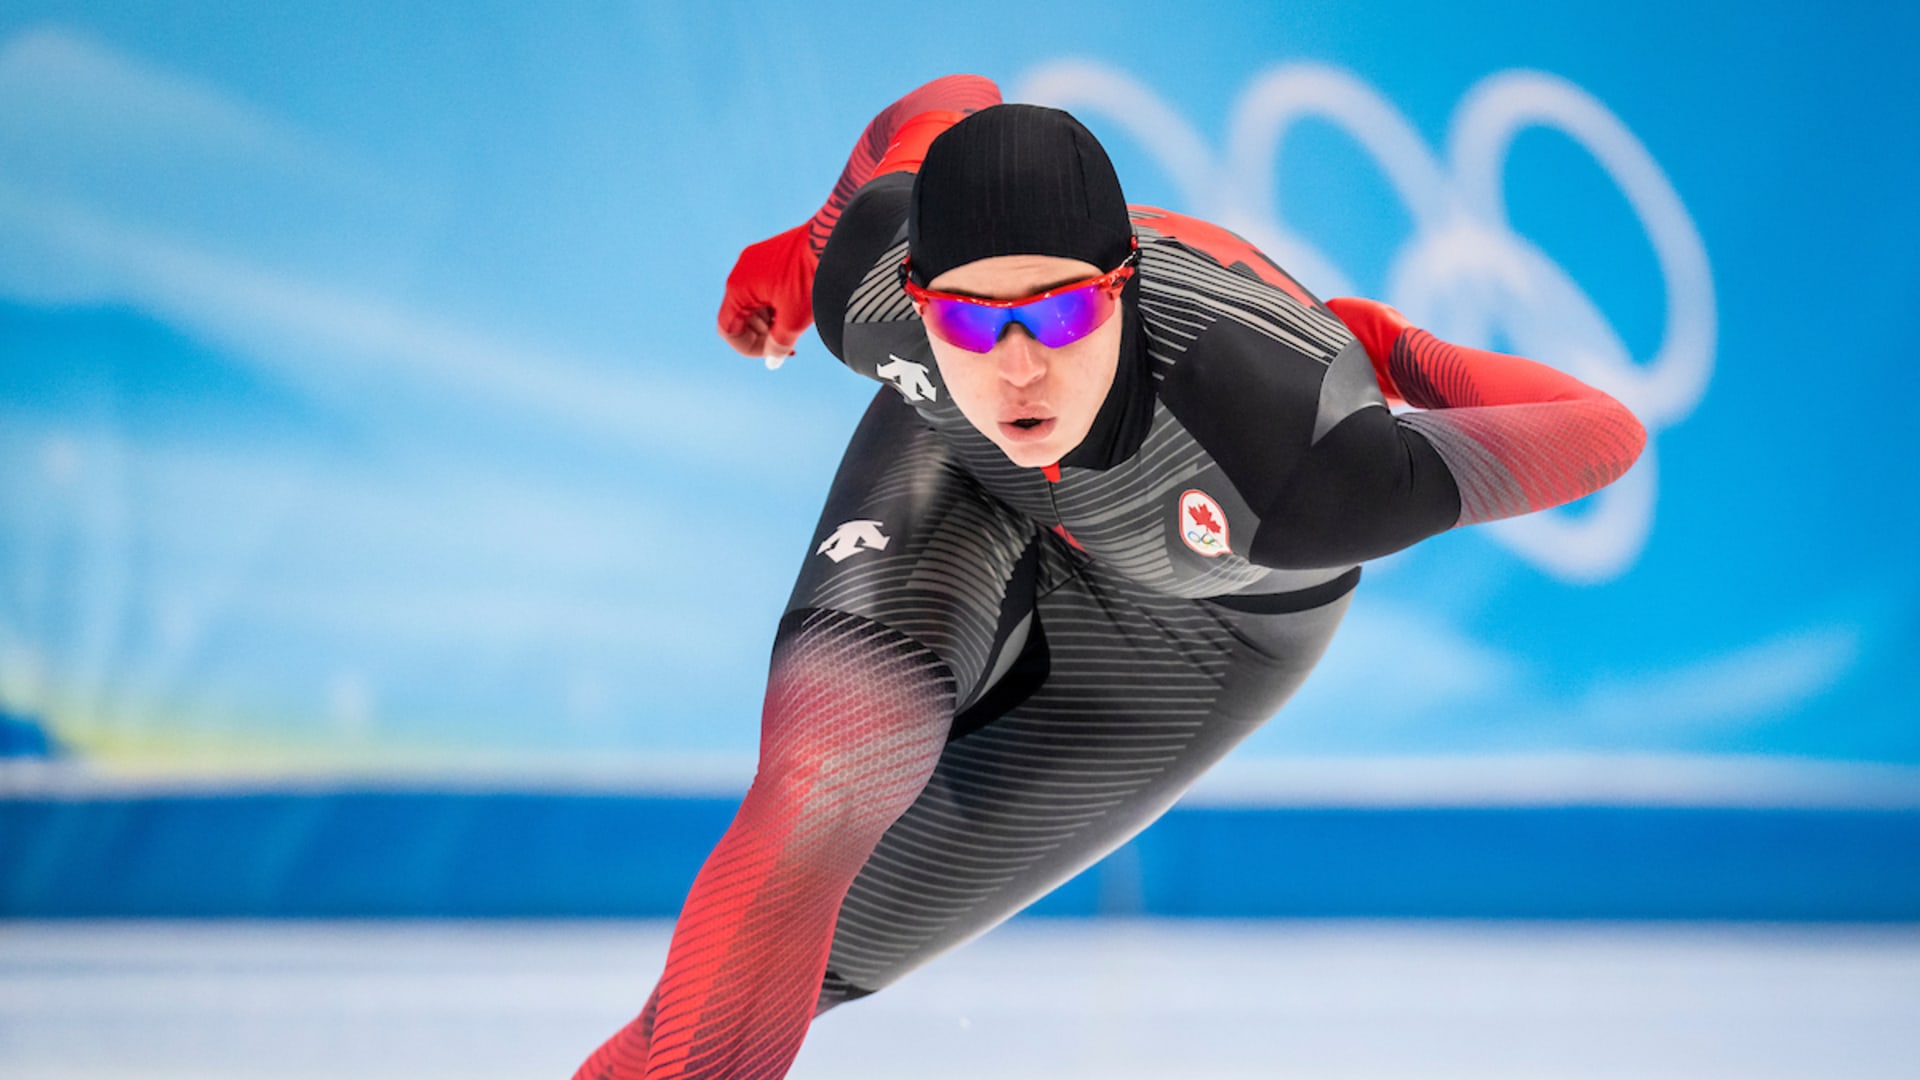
(1118, 703)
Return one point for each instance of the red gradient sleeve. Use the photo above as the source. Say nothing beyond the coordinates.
(903, 122)
(1518, 436)
(855, 719)
(768, 301)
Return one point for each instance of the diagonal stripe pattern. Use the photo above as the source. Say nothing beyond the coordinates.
(1517, 436)
(855, 718)
(1142, 695)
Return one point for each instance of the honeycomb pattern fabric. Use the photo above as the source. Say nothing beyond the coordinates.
(856, 717)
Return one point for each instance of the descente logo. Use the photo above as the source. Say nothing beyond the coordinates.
(909, 378)
(852, 538)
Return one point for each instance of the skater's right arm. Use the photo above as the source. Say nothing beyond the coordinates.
(897, 139)
(770, 294)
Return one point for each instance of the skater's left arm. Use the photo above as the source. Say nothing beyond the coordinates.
(1494, 436)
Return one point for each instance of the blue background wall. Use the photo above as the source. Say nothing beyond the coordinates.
(370, 473)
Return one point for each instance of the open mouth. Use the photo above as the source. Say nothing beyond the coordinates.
(1027, 428)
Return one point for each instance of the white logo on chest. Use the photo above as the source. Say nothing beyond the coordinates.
(1202, 524)
(852, 538)
(909, 378)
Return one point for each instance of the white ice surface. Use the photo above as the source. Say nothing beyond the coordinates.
(1036, 1000)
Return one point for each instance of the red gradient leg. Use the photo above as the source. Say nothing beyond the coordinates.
(856, 717)
(626, 1053)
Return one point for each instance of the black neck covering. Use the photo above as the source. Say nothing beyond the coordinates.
(1028, 180)
(1122, 422)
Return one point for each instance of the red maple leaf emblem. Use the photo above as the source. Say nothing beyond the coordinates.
(1203, 517)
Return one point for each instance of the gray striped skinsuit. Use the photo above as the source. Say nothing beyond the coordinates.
(1101, 661)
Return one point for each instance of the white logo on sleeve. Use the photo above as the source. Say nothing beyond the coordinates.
(908, 377)
(852, 538)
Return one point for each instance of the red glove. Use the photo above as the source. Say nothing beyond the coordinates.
(769, 298)
(1378, 327)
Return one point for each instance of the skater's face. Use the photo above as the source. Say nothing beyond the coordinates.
(1033, 402)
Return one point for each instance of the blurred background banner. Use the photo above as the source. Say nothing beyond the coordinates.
(379, 510)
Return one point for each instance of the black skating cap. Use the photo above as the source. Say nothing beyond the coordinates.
(1016, 180)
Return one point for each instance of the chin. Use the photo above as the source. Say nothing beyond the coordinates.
(1033, 455)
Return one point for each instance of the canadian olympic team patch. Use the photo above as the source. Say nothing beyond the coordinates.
(1203, 525)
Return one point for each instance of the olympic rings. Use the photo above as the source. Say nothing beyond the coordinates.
(1463, 272)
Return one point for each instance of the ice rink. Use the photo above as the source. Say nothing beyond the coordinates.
(1039, 999)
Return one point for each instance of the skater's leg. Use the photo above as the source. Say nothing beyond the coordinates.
(626, 1053)
(878, 645)
(855, 718)
(1128, 699)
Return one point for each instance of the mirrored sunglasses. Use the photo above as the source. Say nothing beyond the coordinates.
(1056, 317)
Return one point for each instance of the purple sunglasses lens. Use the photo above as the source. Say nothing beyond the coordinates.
(972, 327)
(1068, 317)
(1054, 321)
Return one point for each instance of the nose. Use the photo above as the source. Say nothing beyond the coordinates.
(1021, 360)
